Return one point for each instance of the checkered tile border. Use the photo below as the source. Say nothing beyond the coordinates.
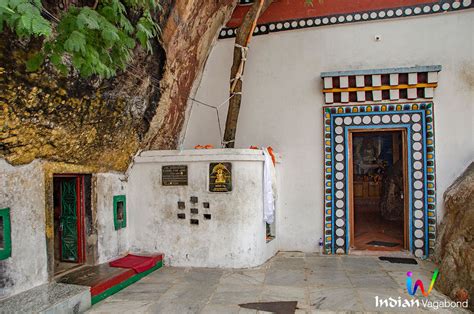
(380, 84)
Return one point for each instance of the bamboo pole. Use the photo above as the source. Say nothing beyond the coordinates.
(242, 40)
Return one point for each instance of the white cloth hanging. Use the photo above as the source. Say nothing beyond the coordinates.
(269, 184)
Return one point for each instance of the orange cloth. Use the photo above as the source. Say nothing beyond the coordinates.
(270, 151)
(272, 154)
(208, 146)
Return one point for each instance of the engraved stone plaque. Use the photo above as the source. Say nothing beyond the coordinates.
(174, 175)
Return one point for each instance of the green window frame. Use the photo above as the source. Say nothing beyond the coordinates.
(6, 248)
(120, 211)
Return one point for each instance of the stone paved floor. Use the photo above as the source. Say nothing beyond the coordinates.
(318, 283)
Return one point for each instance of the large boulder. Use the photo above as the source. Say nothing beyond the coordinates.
(455, 243)
(104, 122)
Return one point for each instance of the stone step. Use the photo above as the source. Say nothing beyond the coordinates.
(105, 280)
(49, 298)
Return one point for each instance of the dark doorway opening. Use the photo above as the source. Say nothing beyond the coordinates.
(378, 189)
(70, 202)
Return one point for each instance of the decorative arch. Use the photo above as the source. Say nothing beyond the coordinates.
(417, 120)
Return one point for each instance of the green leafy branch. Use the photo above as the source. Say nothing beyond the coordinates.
(24, 17)
(95, 41)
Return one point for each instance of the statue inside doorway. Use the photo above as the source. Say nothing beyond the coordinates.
(391, 202)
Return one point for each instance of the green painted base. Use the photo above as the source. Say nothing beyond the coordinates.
(111, 291)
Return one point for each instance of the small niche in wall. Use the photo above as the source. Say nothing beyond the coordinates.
(5, 234)
(205, 204)
(207, 216)
(181, 216)
(270, 231)
(194, 211)
(120, 212)
(181, 205)
(194, 222)
(194, 199)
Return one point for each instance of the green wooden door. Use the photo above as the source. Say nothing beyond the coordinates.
(69, 243)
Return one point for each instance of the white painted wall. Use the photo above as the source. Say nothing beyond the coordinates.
(22, 190)
(235, 235)
(282, 101)
(111, 243)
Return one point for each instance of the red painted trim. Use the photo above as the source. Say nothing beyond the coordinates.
(283, 10)
(65, 175)
(60, 214)
(110, 282)
(80, 213)
(80, 219)
(157, 257)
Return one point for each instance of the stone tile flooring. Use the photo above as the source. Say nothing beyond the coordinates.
(48, 298)
(317, 283)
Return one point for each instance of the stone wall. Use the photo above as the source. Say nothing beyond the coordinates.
(111, 243)
(27, 191)
(22, 190)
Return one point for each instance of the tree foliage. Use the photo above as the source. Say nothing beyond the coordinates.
(94, 40)
(24, 17)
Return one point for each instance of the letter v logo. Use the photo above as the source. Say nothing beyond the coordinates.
(419, 283)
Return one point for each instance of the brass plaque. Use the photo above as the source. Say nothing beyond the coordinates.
(220, 177)
(174, 175)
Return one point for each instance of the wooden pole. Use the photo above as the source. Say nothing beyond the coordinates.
(242, 40)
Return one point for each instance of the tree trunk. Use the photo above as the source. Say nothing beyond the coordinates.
(242, 40)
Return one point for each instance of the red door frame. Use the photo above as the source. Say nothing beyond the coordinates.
(80, 212)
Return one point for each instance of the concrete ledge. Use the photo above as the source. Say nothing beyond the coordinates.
(200, 155)
(49, 298)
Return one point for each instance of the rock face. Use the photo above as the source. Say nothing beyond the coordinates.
(104, 123)
(455, 243)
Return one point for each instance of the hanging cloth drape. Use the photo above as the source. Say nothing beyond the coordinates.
(269, 185)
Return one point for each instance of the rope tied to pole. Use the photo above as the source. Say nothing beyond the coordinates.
(243, 58)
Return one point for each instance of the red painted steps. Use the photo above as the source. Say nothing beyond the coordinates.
(139, 263)
(108, 282)
(105, 280)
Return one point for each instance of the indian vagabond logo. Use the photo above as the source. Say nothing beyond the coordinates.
(400, 302)
(419, 283)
